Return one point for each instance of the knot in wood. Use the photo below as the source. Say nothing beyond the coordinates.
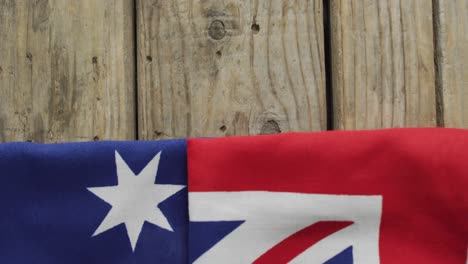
(217, 30)
(270, 127)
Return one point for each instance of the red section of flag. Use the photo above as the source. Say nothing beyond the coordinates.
(292, 246)
(422, 175)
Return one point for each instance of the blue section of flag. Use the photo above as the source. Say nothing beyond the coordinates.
(204, 235)
(344, 257)
(47, 215)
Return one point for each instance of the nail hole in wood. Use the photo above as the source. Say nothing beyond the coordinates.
(29, 56)
(255, 28)
(96, 138)
(94, 59)
(149, 58)
(222, 128)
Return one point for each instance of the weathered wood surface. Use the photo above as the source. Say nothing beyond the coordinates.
(66, 70)
(451, 17)
(212, 68)
(382, 64)
(232, 67)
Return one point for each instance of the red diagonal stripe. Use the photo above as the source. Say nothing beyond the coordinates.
(298, 242)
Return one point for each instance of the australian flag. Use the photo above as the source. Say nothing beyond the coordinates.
(102, 202)
(388, 196)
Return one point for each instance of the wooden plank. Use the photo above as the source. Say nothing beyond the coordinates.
(382, 64)
(213, 68)
(66, 70)
(451, 25)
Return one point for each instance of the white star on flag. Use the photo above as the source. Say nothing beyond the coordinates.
(135, 199)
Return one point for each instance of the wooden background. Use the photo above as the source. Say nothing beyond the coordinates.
(149, 69)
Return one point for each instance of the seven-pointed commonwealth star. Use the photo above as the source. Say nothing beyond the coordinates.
(134, 199)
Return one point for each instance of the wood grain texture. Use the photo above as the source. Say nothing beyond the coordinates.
(451, 25)
(382, 64)
(66, 70)
(232, 67)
